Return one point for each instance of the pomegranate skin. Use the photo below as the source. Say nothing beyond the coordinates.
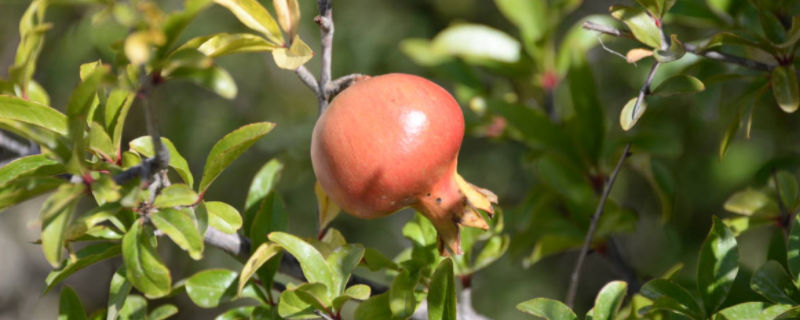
(385, 141)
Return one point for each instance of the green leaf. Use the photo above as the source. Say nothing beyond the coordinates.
(626, 118)
(293, 57)
(70, 307)
(17, 109)
(254, 16)
(37, 93)
(117, 105)
(680, 84)
(144, 146)
(117, 293)
(743, 311)
(749, 202)
(240, 313)
(210, 288)
(374, 260)
(493, 250)
(314, 294)
(376, 307)
(675, 51)
(176, 195)
(682, 301)
(718, 265)
(401, 295)
(793, 313)
(83, 258)
(548, 309)
(260, 256)
(179, 225)
(357, 292)
(175, 23)
(568, 181)
(293, 306)
(231, 147)
(24, 189)
(39, 165)
(793, 251)
(223, 217)
(772, 26)
(476, 44)
(145, 269)
(442, 293)
(609, 300)
(81, 101)
(787, 183)
(311, 261)
(100, 143)
(730, 134)
(134, 308)
(785, 88)
(642, 25)
(774, 311)
(773, 282)
(270, 217)
(222, 44)
(55, 215)
(529, 16)
(163, 312)
(342, 261)
(265, 312)
(214, 78)
(263, 183)
(652, 6)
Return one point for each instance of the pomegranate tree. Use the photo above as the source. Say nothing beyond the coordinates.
(392, 141)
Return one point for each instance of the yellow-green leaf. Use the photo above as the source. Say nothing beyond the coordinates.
(230, 147)
(288, 12)
(293, 57)
(785, 88)
(253, 15)
(327, 209)
(626, 118)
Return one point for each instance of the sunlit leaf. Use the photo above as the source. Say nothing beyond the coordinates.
(230, 147)
(627, 118)
(40, 165)
(376, 307)
(260, 256)
(743, 311)
(641, 24)
(134, 308)
(223, 217)
(548, 309)
(210, 288)
(342, 261)
(676, 51)
(145, 269)
(253, 15)
(311, 261)
(163, 311)
(327, 209)
(18, 191)
(176, 195)
(288, 12)
(179, 225)
(100, 143)
(262, 185)
(117, 293)
(17, 109)
(223, 44)
(293, 57)
(83, 258)
(442, 293)
(681, 301)
(55, 215)
(213, 78)
(475, 42)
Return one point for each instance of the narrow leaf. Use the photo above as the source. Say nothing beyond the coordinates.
(785, 88)
(145, 269)
(442, 293)
(179, 225)
(229, 148)
(253, 15)
(70, 306)
(548, 309)
(718, 265)
(83, 258)
(609, 300)
(55, 215)
(327, 209)
(260, 256)
(117, 293)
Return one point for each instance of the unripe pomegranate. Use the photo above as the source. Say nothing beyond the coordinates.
(392, 141)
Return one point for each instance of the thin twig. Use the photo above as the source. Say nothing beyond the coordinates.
(714, 55)
(645, 90)
(149, 166)
(336, 86)
(576, 273)
(326, 27)
(309, 80)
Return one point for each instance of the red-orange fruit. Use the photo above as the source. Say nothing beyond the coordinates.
(392, 141)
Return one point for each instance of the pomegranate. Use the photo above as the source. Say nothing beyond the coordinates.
(392, 141)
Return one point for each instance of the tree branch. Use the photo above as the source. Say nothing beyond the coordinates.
(326, 27)
(576, 273)
(714, 55)
(149, 166)
(337, 86)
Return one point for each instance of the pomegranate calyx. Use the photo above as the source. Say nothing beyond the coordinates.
(453, 204)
